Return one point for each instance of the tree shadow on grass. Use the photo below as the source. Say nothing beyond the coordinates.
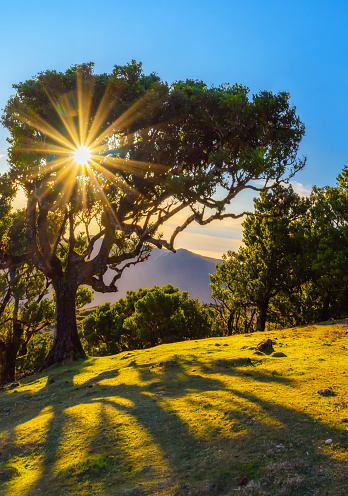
(241, 368)
(58, 390)
(178, 431)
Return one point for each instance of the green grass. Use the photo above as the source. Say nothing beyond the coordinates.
(185, 419)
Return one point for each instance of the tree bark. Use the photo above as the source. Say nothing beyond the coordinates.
(250, 321)
(262, 316)
(66, 343)
(9, 348)
(325, 310)
(8, 363)
(230, 324)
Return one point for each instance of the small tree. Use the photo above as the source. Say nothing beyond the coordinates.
(326, 240)
(271, 261)
(24, 310)
(26, 313)
(127, 152)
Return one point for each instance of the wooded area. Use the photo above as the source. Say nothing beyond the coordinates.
(151, 150)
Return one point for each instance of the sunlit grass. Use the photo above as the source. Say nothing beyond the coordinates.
(28, 438)
(187, 418)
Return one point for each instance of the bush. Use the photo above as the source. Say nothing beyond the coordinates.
(37, 349)
(145, 318)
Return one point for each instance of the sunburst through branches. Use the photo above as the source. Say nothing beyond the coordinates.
(82, 150)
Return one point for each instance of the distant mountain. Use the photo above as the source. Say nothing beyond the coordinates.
(184, 270)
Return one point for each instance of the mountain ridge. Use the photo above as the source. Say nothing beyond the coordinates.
(184, 269)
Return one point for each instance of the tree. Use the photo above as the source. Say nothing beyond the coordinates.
(28, 311)
(24, 310)
(25, 314)
(25, 306)
(327, 247)
(322, 233)
(7, 192)
(146, 318)
(270, 262)
(127, 152)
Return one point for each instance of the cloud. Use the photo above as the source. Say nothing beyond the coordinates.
(212, 240)
(207, 245)
(301, 189)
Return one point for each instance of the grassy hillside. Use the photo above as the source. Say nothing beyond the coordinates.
(192, 418)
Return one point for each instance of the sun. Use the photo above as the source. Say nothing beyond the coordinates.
(86, 151)
(82, 155)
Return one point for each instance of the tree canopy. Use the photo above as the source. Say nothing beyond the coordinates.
(110, 158)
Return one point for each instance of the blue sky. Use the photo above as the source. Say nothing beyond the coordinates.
(298, 46)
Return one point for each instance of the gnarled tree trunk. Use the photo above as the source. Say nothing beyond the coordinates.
(66, 343)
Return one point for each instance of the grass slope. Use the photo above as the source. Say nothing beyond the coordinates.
(191, 418)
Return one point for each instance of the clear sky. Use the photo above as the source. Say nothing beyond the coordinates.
(298, 46)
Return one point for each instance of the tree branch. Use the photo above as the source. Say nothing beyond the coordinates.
(60, 232)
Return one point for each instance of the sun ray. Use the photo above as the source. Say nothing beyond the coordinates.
(44, 148)
(100, 117)
(125, 120)
(82, 185)
(28, 116)
(51, 167)
(84, 103)
(103, 197)
(86, 151)
(60, 180)
(133, 166)
(111, 176)
(67, 190)
(65, 107)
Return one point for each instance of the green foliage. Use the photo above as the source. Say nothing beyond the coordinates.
(293, 267)
(26, 309)
(83, 297)
(102, 331)
(322, 233)
(270, 262)
(157, 317)
(328, 238)
(157, 149)
(145, 318)
(36, 351)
